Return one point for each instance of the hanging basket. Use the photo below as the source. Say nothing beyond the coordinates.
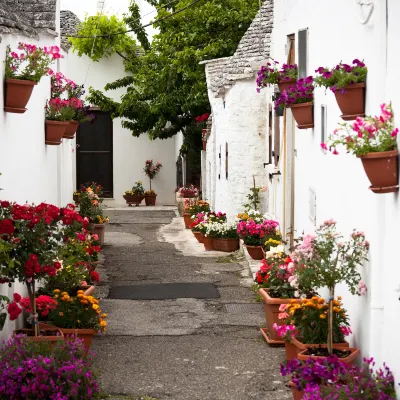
(285, 83)
(55, 131)
(351, 101)
(18, 93)
(71, 130)
(303, 113)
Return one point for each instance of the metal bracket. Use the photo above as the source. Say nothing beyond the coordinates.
(274, 173)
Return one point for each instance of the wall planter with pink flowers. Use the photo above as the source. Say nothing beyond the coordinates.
(59, 113)
(374, 141)
(272, 75)
(347, 82)
(299, 98)
(23, 70)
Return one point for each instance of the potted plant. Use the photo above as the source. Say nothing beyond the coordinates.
(23, 70)
(135, 195)
(188, 191)
(196, 226)
(256, 234)
(225, 237)
(374, 141)
(192, 208)
(309, 323)
(59, 113)
(347, 82)
(78, 315)
(201, 122)
(272, 75)
(151, 169)
(325, 260)
(206, 227)
(299, 98)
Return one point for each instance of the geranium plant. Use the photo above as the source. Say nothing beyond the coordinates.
(341, 75)
(366, 135)
(301, 92)
(44, 304)
(326, 259)
(188, 191)
(151, 169)
(30, 62)
(257, 234)
(137, 189)
(271, 74)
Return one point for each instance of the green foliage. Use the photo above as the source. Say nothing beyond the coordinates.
(167, 89)
(102, 46)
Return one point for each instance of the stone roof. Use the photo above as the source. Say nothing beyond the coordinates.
(27, 17)
(252, 51)
(69, 26)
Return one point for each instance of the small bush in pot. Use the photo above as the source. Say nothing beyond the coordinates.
(152, 169)
(136, 194)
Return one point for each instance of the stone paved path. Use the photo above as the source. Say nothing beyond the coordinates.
(184, 349)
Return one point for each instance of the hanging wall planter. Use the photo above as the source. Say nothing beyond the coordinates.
(303, 113)
(382, 171)
(71, 129)
(18, 93)
(351, 101)
(55, 131)
(283, 84)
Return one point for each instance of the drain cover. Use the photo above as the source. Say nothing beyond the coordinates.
(252, 308)
(165, 291)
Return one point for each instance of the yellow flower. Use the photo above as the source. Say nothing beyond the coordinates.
(321, 301)
(322, 316)
(339, 298)
(139, 182)
(80, 296)
(95, 307)
(103, 324)
(61, 314)
(56, 291)
(103, 315)
(64, 294)
(78, 321)
(84, 302)
(337, 309)
(315, 298)
(336, 303)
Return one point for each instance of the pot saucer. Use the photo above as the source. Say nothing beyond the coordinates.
(384, 189)
(15, 110)
(351, 117)
(306, 126)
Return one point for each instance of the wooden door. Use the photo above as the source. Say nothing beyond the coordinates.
(94, 154)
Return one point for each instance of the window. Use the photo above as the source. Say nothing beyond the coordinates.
(323, 123)
(291, 54)
(303, 49)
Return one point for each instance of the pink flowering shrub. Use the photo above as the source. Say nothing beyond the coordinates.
(366, 135)
(30, 62)
(255, 234)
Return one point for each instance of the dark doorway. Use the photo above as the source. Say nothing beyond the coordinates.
(94, 153)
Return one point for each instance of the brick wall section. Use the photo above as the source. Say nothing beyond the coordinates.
(69, 23)
(12, 22)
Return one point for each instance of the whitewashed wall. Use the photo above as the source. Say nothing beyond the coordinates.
(335, 34)
(239, 119)
(130, 153)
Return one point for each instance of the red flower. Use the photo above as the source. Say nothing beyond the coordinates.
(6, 227)
(3, 280)
(57, 265)
(17, 297)
(14, 311)
(5, 203)
(94, 276)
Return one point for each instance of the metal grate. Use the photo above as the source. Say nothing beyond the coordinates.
(252, 308)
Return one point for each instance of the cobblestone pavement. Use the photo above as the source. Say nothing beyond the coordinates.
(183, 349)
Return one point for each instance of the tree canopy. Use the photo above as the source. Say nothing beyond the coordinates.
(165, 85)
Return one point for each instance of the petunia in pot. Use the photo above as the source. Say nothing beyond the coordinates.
(24, 68)
(347, 82)
(299, 98)
(374, 141)
(271, 74)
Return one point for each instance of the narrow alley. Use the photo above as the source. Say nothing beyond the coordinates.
(179, 348)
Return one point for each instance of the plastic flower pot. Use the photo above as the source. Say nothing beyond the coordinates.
(297, 394)
(303, 113)
(255, 252)
(198, 236)
(204, 145)
(285, 83)
(382, 171)
(71, 130)
(271, 309)
(187, 219)
(208, 243)
(299, 346)
(18, 93)
(84, 334)
(55, 132)
(354, 352)
(150, 199)
(226, 245)
(133, 199)
(350, 100)
(98, 229)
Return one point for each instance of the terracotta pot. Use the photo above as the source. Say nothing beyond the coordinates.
(351, 101)
(204, 145)
(93, 264)
(55, 132)
(303, 113)
(71, 130)
(98, 229)
(290, 351)
(187, 219)
(55, 337)
(297, 394)
(299, 346)
(76, 199)
(271, 309)
(136, 199)
(84, 334)
(284, 84)
(198, 236)
(382, 171)
(255, 252)
(208, 243)
(227, 245)
(150, 200)
(18, 93)
(348, 360)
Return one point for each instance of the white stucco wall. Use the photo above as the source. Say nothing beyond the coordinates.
(339, 181)
(129, 153)
(240, 120)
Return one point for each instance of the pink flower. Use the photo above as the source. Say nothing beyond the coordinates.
(362, 288)
(329, 222)
(346, 330)
(282, 307)
(324, 146)
(395, 132)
